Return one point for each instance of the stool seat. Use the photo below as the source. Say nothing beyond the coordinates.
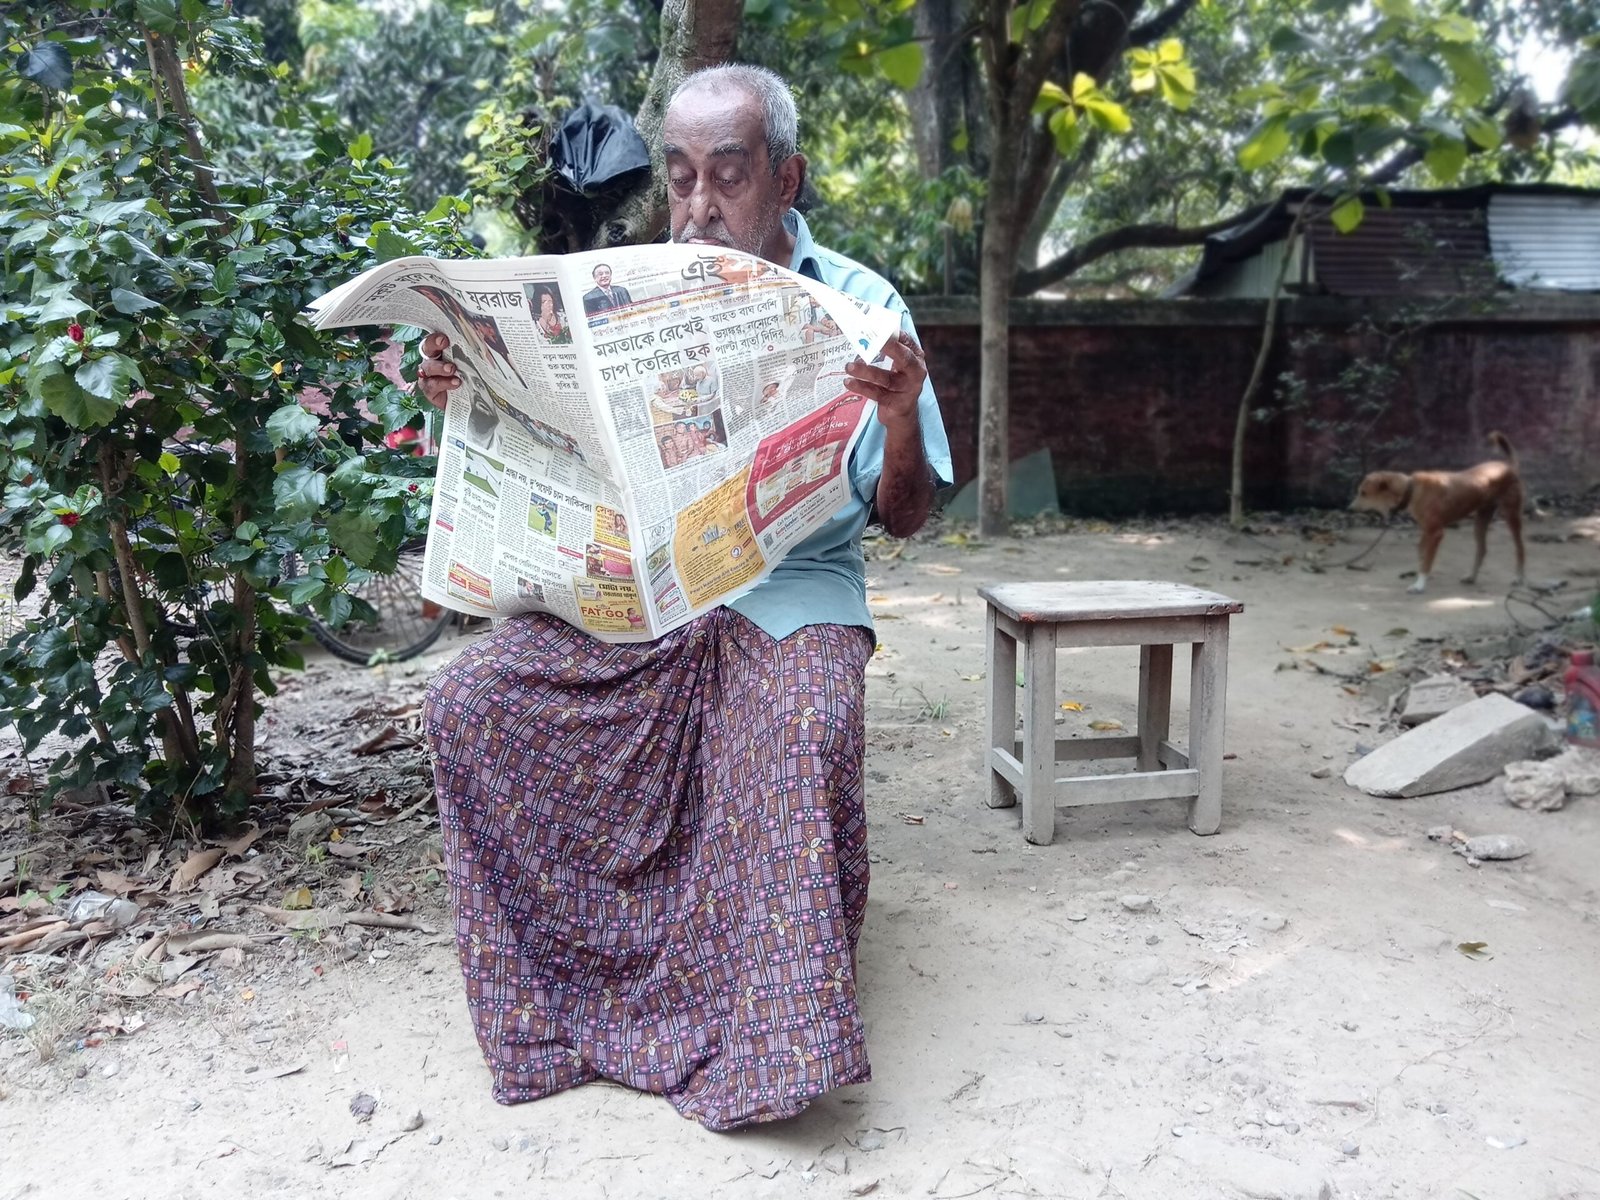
(1104, 600)
(1039, 618)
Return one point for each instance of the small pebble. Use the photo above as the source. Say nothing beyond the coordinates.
(191, 1104)
(1348, 1026)
(1202, 1107)
(1214, 1055)
(500, 1143)
(1183, 1130)
(869, 1141)
(1077, 916)
(1275, 1119)
(1496, 847)
(1033, 1018)
(1063, 1033)
(1505, 1141)
(1136, 903)
(1349, 1148)
(1153, 940)
(435, 1138)
(109, 1070)
(1270, 922)
(1322, 773)
(1438, 1108)
(414, 1121)
(1292, 1126)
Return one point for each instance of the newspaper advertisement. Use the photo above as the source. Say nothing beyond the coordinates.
(640, 434)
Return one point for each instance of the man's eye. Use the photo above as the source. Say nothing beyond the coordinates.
(728, 181)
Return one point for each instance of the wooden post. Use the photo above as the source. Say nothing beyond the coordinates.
(1002, 673)
(1208, 698)
(1039, 734)
(1155, 704)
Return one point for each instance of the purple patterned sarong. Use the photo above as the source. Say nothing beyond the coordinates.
(658, 859)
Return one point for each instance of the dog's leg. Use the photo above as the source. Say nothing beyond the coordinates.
(1480, 534)
(1511, 509)
(1427, 550)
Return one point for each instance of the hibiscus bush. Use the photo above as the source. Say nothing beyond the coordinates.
(171, 432)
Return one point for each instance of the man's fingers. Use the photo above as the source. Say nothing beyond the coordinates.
(434, 345)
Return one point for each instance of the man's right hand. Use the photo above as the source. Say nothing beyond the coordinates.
(436, 378)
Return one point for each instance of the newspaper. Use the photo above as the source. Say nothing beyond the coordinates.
(640, 434)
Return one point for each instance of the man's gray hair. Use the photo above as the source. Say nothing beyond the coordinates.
(780, 119)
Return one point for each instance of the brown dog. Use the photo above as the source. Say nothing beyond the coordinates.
(1436, 499)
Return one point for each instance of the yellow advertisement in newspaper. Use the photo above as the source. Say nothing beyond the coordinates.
(606, 606)
(714, 545)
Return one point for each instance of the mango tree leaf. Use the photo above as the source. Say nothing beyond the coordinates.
(1445, 159)
(1423, 75)
(1482, 130)
(361, 148)
(1453, 27)
(1473, 82)
(48, 65)
(1346, 215)
(902, 64)
(291, 424)
(1267, 141)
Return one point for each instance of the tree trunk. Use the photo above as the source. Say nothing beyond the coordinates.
(998, 262)
(694, 34)
(1269, 331)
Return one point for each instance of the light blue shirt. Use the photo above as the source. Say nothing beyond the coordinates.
(823, 580)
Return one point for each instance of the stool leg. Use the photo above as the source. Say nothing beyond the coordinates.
(1155, 704)
(1001, 653)
(1208, 699)
(1039, 735)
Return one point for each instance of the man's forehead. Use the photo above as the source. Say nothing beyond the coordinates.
(724, 121)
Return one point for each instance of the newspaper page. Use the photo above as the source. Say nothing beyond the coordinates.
(640, 434)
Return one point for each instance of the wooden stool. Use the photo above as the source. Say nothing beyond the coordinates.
(1153, 616)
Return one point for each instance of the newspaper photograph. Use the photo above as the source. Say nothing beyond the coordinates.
(639, 435)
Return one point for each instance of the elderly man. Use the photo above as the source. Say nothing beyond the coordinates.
(658, 852)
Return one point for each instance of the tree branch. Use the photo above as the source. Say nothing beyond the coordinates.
(1127, 237)
(1404, 160)
(1049, 200)
(1158, 26)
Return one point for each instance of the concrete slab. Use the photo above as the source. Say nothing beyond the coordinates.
(1433, 697)
(1466, 745)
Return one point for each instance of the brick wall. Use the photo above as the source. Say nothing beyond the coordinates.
(1136, 400)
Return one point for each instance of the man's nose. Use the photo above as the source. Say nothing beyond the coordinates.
(702, 204)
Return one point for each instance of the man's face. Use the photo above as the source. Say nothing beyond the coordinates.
(721, 189)
(602, 276)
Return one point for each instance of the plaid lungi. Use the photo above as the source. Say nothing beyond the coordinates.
(657, 856)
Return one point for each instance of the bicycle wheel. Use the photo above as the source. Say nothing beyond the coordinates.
(405, 624)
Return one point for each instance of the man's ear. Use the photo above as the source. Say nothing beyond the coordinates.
(792, 179)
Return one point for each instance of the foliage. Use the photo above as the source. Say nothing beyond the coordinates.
(159, 457)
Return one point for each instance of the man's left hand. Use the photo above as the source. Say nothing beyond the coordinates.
(897, 387)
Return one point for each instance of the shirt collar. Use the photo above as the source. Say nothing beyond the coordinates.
(804, 261)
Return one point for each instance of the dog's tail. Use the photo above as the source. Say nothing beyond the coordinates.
(1503, 444)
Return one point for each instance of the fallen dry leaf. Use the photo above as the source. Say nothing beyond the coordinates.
(299, 897)
(196, 865)
(204, 942)
(116, 883)
(181, 989)
(1071, 706)
(1102, 726)
(349, 886)
(912, 818)
(1343, 632)
(346, 850)
(1477, 951)
(237, 847)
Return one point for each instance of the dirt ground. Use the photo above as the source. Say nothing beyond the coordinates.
(1289, 1017)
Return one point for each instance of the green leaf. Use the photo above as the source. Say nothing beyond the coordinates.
(1453, 27)
(389, 244)
(291, 424)
(1582, 87)
(1423, 75)
(160, 15)
(60, 393)
(1051, 95)
(1346, 215)
(305, 591)
(128, 302)
(1444, 159)
(1286, 40)
(1066, 130)
(1107, 115)
(356, 534)
(1482, 130)
(1267, 142)
(107, 377)
(361, 148)
(1473, 81)
(226, 277)
(48, 64)
(168, 462)
(299, 492)
(480, 16)
(902, 64)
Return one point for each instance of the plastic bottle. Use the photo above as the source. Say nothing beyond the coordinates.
(1583, 700)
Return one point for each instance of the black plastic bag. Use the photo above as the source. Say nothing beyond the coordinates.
(596, 146)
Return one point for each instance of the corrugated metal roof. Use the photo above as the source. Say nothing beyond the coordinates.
(1546, 242)
(1403, 251)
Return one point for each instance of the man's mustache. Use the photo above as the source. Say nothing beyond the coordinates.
(716, 231)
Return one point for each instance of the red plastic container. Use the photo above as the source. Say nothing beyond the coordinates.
(1583, 700)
